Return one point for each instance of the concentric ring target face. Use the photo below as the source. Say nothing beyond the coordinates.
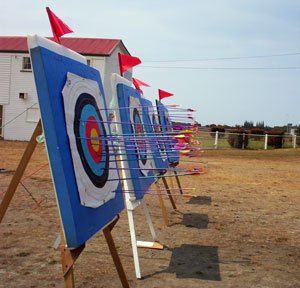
(142, 146)
(95, 171)
(89, 129)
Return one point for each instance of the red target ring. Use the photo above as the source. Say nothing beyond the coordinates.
(94, 145)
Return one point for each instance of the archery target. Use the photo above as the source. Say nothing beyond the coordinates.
(95, 171)
(161, 148)
(142, 146)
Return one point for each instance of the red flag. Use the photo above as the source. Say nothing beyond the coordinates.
(127, 62)
(137, 83)
(163, 94)
(58, 27)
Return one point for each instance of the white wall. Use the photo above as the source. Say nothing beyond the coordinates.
(23, 82)
(20, 82)
(5, 71)
(107, 66)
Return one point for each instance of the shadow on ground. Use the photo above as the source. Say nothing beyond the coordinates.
(200, 200)
(194, 261)
(195, 220)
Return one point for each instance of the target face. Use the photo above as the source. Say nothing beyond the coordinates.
(139, 158)
(166, 126)
(160, 146)
(89, 130)
(143, 149)
(90, 145)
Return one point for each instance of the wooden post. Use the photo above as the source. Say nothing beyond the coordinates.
(178, 182)
(172, 187)
(20, 170)
(266, 141)
(114, 253)
(294, 141)
(217, 140)
(169, 193)
(68, 258)
(162, 205)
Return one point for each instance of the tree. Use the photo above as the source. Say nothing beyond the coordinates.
(248, 124)
(260, 124)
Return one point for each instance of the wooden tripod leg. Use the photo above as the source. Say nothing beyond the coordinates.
(162, 205)
(115, 256)
(68, 258)
(172, 186)
(20, 170)
(178, 182)
(69, 279)
(169, 193)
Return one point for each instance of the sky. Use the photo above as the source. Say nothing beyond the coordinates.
(230, 60)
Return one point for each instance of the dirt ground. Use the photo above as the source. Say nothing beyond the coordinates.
(242, 229)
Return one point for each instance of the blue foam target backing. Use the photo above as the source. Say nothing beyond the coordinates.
(165, 123)
(139, 181)
(50, 72)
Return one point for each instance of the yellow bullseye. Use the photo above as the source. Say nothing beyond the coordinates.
(95, 143)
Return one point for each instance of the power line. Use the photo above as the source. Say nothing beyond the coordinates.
(220, 68)
(227, 58)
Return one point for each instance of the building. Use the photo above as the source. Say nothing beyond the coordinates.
(19, 110)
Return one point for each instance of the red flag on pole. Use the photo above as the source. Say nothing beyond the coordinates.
(58, 27)
(137, 83)
(127, 62)
(163, 94)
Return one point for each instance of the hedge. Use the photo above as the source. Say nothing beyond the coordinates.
(276, 138)
(237, 138)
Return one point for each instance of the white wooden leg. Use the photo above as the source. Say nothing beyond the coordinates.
(133, 244)
(149, 220)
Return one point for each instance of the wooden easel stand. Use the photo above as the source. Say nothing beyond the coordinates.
(20, 170)
(68, 257)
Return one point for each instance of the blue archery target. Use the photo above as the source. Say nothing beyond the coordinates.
(153, 129)
(137, 148)
(142, 144)
(166, 126)
(64, 83)
(90, 145)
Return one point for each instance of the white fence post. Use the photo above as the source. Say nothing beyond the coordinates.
(266, 141)
(217, 140)
(294, 141)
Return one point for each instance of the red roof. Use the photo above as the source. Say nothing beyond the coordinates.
(86, 46)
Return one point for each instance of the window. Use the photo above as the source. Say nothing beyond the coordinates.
(1, 119)
(26, 65)
(88, 62)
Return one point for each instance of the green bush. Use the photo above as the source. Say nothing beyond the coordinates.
(238, 138)
(220, 129)
(276, 138)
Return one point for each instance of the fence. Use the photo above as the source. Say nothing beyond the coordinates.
(218, 140)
